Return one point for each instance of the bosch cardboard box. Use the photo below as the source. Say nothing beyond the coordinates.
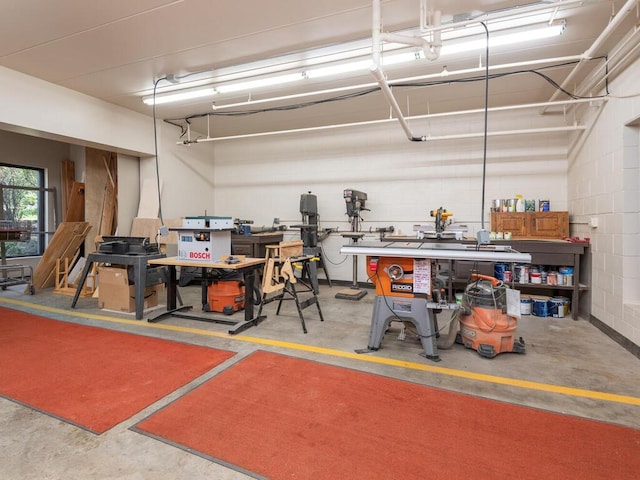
(115, 292)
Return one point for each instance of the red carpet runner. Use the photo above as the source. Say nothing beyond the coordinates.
(286, 418)
(89, 376)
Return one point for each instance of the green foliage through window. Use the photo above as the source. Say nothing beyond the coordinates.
(22, 207)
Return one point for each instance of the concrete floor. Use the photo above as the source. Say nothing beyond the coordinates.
(569, 367)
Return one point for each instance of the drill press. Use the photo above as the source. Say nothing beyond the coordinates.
(355, 202)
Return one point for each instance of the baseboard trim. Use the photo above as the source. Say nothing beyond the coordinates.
(615, 336)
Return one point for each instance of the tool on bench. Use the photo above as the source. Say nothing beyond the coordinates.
(443, 227)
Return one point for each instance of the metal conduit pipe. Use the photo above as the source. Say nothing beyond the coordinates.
(530, 131)
(376, 71)
(612, 64)
(431, 52)
(613, 24)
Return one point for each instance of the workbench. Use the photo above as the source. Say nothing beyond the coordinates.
(137, 261)
(248, 267)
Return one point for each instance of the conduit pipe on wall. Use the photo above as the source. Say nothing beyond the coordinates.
(588, 55)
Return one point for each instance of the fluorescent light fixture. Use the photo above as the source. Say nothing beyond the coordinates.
(338, 69)
(536, 32)
(180, 96)
(528, 35)
(262, 82)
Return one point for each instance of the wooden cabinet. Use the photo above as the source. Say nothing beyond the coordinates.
(531, 224)
(254, 245)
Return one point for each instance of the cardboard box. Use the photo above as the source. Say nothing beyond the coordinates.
(115, 292)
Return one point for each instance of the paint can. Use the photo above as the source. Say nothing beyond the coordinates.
(552, 278)
(529, 205)
(567, 274)
(522, 275)
(539, 307)
(508, 276)
(525, 306)
(556, 307)
(499, 269)
(536, 277)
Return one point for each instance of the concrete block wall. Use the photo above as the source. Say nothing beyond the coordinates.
(604, 189)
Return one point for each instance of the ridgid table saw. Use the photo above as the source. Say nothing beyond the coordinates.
(408, 287)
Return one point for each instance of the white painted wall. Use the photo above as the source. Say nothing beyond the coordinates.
(262, 178)
(186, 176)
(36, 107)
(604, 186)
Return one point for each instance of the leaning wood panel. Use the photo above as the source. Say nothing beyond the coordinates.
(109, 211)
(65, 243)
(75, 206)
(67, 179)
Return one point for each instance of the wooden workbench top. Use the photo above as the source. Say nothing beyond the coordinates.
(177, 262)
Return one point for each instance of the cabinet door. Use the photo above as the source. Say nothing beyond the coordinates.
(516, 223)
(550, 224)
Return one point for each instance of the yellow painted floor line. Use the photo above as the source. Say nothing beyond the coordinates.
(480, 377)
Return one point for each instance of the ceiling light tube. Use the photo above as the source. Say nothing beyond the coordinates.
(259, 83)
(529, 34)
(180, 96)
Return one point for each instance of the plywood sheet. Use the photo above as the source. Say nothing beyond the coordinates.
(65, 243)
(75, 205)
(67, 179)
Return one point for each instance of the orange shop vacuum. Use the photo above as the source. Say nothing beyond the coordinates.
(225, 295)
(484, 323)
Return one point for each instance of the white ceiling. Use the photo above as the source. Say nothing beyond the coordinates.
(115, 50)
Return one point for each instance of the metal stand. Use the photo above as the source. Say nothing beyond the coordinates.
(414, 310)
(139, 264)
(290, 292)
(354, 292)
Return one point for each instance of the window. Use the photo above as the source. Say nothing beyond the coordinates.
(22, 199)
